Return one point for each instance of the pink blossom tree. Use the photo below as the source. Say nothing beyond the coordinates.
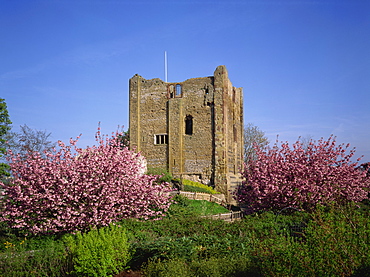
(302, 176)
(73, 188)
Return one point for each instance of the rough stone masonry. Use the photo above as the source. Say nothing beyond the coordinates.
(193, 129)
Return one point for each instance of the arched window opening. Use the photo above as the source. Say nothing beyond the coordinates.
(188, 125)
(171, 91)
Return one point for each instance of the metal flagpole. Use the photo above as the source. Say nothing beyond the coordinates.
(165, 66)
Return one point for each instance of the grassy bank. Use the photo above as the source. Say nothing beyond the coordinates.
(332, 241)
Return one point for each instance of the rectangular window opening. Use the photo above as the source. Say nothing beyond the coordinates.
(188, 125)
(178, 90)
(161, 139)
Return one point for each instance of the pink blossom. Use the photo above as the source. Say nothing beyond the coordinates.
(302, 177)
(72, 188)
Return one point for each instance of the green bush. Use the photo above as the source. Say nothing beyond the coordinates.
(165, 175)
(197, 187)
(212, 267)
(33, 257)
(194, 189)
(100, 252)
(170, 268)
(192, 248)
(336, 242)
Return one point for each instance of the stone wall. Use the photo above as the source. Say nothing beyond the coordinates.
(192, 128)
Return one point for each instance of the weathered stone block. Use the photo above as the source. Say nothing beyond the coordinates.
(191, 128)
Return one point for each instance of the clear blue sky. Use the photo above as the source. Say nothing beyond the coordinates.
(304, 65)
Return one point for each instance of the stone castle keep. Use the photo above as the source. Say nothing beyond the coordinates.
(193, 129)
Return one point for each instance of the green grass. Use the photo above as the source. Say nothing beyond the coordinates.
(203, 207)
(165, 175)
(184, 207)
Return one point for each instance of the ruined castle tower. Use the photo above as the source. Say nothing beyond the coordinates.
(193, 129)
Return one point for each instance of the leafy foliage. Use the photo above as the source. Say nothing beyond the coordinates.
(164, 175)
(214, 266)
(301, 178)
(194, 189)
(37, 258)
(4, 120)
(197, 187)
(99, 252)
(4, 129)
(74, 188)
(334, 242)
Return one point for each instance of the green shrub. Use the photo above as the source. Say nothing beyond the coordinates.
(212, 267)
(192, 248)
(197, 187)
(278, 256)
(225, 266)
(194, 189)
(100, 252)
(47, 258)
(336, 242)
(170, 268)
(165, 175)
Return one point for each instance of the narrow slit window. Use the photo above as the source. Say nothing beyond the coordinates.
(188, 125)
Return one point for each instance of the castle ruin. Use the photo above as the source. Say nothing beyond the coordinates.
(193, 129)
